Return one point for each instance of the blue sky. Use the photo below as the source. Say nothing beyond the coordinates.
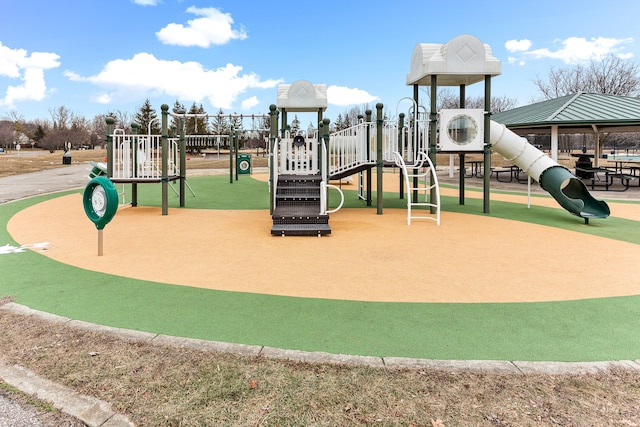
(98, 56)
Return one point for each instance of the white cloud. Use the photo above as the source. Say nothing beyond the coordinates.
(17, 64)
(575, 50)
(518, 45)
(145, 76)
(340, 95)
(249, 103)
(146, 2)
(212, 28)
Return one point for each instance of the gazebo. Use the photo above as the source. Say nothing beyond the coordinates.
(576, 113)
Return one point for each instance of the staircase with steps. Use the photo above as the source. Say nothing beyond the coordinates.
(297, 208)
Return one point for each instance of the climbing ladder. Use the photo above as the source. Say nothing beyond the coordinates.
(421, 183)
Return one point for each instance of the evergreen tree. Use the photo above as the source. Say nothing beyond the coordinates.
(175, 121)
(196, 125)
(295, 126)
(147, 119)
(220, 124)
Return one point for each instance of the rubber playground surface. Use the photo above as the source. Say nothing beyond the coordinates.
(516, 284)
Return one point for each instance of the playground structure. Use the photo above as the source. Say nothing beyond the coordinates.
(141, 159)
(302, 166)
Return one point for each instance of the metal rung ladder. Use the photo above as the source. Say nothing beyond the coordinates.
(427, 180)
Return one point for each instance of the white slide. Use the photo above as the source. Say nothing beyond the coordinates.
(568, 190)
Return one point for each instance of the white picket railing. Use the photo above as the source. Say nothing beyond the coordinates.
(139, 157)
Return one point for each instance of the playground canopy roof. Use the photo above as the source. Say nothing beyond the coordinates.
(302, 96)
(576, 113)
(463, 60)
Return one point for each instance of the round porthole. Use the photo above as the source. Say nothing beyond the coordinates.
(462, 129)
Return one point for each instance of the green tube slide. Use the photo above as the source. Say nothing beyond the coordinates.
(568, 190)
(571, 193)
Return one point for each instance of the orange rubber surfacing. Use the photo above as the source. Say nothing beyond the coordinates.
(368, 257)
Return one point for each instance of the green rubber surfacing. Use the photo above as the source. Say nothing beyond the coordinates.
(584, 330)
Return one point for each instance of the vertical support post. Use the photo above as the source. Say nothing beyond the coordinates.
(463, 102)
(283, 127)
(369, 178)
(165, 160)
(100, 242)
(231, 146)
(236, 147)
(109, 141)
(379, 164)
(401, 150)
(183, 159)
(273, 166)
(134, 162)
(487, 143)
(320, 120)
(433, 123)
(325, 136)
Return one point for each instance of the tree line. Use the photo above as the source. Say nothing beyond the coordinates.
(612, 75)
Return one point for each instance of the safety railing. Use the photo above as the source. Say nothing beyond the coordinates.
(139, 157)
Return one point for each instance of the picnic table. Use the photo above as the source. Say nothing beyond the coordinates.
(603, 177)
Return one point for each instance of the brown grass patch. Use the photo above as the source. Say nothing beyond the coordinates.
(165, 386)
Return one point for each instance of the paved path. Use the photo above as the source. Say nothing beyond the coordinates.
(48, 181)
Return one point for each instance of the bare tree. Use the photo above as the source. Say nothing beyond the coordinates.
(612, 75)
(449, 98)
(60, 117)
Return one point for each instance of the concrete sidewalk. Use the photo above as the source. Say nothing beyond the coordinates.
(47, 181)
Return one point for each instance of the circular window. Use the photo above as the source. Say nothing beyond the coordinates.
(462, 129)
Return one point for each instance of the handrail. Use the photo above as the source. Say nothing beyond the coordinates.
(323, 198)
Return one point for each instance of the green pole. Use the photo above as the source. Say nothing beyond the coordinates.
(231, 155)
(433, 128)
(487, 142)
(320, 120)
(165, 158)
(273, 134)
(109, 140)
(463, 97)
(368, 114)
(325, 136)
(134, 151)
(400, 150)
(183, 159)
(379, 164)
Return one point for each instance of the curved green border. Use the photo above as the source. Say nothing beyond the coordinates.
(585, 330)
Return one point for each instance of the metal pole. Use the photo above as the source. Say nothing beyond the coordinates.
(134, 167)
(400, 150)
(487, 143)
(273, 134)
(183, 160)
(461, 160)
(109, 140)
(379, 164)
(433, 123)
(231, 155)
(369, 178)
(165, 161)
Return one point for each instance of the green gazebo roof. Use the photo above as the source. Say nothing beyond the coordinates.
(579, 112)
